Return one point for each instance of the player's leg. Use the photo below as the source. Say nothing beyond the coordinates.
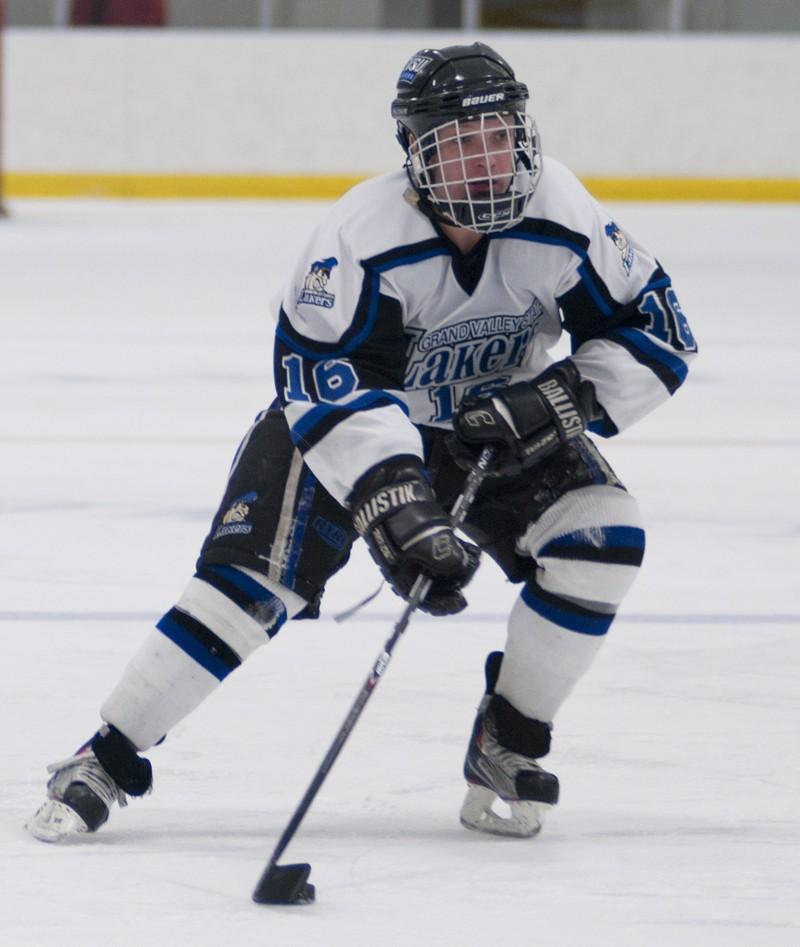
(584, 544)
(276, 538)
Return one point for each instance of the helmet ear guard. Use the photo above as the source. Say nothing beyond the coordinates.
(445, 87)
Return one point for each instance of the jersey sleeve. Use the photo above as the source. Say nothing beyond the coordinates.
(339, 362)
(629, 335)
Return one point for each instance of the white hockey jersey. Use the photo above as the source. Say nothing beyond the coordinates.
(385, 326)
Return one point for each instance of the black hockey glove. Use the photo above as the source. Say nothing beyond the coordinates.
(526, 421)
(408, 533)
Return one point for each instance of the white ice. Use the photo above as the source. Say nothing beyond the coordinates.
(136, 348)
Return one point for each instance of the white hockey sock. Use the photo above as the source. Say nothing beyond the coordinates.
(542, 662)
(225, 613)
(588, 547)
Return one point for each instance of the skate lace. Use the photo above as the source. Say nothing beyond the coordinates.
(85, 768)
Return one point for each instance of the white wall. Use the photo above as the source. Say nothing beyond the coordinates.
(292, 102)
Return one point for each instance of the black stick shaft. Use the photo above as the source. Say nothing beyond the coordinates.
(418, 593)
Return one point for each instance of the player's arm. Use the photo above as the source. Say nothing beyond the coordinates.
(631, 348)
(627, 359)
(636, 354)
(339, 357)
(347, 416)
(344, 402)
(629, 335)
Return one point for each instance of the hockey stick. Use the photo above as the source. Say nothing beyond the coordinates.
(288, 884)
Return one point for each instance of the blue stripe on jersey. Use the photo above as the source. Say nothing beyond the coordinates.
(614, 545)
(653, 355)
(381, 266)
(318, 415)
(199, 642)
(320, 350)
(565, 614)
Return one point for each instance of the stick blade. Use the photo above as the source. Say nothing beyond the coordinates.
(285, 884)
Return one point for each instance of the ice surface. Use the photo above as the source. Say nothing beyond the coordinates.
(135, 352)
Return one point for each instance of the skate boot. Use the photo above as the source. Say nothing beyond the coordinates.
(501, 764)
(82, 789)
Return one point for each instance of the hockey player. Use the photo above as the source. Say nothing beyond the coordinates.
(414, 331)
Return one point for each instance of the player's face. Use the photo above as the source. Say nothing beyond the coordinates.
(475, 158)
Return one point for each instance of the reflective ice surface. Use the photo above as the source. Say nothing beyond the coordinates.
(135, 351)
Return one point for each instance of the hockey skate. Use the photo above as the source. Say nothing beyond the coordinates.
(81, 791)
(496, 770)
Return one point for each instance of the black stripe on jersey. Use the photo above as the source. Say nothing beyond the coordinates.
(581, 317)
(379, 362)
(583, 321)
(376, 316)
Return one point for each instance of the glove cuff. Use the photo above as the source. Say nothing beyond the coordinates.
(585, 395)
(390, 471)
(389, 487)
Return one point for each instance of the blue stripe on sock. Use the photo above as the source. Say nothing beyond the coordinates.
(254, 600)
(608, 537)
(564, 613)
(254, 591)
(195, 649)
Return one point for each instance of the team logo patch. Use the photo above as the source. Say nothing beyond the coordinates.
(314, 292)
(234, 520)
(622, 244)
(414, 66)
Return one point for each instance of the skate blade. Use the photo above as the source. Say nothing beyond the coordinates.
(526, 818)
(55, 822)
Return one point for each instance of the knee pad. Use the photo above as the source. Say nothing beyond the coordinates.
(233, 608)
(588, 545)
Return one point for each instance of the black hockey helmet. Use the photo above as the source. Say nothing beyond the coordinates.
(438, 92)
(441, 85)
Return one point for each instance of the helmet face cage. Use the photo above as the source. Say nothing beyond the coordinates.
(477, 172)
